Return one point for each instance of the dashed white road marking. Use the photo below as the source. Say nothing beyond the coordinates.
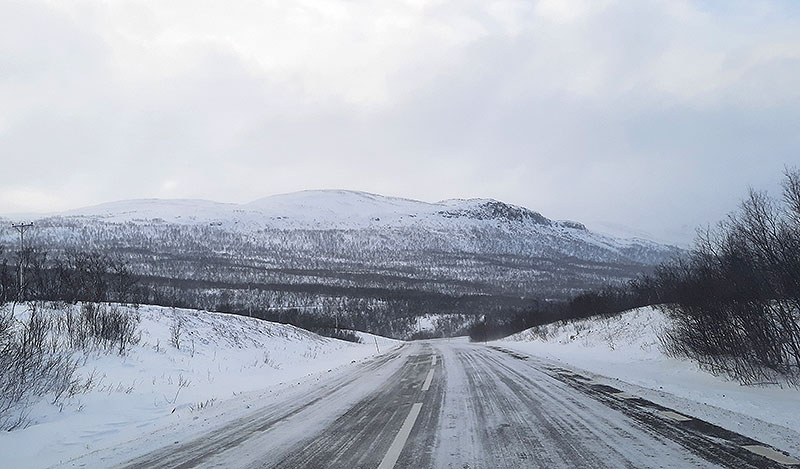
(433, 361)
(427, 384)
(770, 453)
(391, 457)
(674, 416)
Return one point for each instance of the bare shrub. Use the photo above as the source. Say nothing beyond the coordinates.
(176, 330)
(182, 383)
(341, 334)
(542, 332)
(33, 364)
(107, 327)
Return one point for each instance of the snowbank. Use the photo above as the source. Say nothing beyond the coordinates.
(155, 383)
(625, 351)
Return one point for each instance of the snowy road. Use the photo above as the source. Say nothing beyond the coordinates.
(460, 405)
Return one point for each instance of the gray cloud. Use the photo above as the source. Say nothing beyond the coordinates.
(652, 114)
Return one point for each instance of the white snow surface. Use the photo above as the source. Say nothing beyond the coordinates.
(624, 351)
(222, 358)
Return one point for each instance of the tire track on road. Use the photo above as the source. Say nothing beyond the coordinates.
(216, 441)
(380, 430)
(708, 441)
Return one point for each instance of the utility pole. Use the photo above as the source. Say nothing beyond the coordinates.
(20, 227)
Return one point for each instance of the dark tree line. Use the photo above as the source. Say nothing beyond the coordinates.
(70, 276)
(503, 324)
(610, 300)
(393, 315)
(73, 276)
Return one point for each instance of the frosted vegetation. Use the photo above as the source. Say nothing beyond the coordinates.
(57, 359)
(38, 350)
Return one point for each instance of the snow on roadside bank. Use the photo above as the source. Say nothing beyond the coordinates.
(624, 351)
(155, 383)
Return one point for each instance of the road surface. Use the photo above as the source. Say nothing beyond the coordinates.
(452, 404)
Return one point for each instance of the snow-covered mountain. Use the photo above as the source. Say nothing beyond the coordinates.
(352, 210)
(320, 209)
(355, 240)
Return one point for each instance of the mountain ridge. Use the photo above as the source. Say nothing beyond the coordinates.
(318, 209)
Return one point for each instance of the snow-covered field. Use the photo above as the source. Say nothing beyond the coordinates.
(624, 351)
(155, 384)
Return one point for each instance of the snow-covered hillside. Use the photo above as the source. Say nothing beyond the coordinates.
(155, 384)
(347, 242)
(467, 223)
(624, 351)
(319, 209)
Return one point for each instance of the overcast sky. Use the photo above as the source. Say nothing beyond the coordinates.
(656, 115)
